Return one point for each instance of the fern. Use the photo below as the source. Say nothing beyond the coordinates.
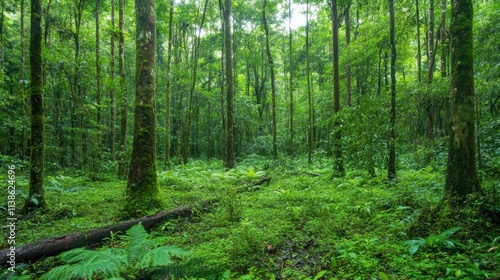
(141, 253)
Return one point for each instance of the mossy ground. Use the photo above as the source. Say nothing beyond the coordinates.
(302, 223)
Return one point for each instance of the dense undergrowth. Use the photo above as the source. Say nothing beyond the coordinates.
(301, 225)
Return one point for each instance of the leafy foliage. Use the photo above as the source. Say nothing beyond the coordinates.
(141, 253)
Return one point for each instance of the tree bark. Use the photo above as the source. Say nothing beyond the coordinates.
(309, 98)
(290, 40)
(123, 90)
(392, 137)
(98, 72)
(187, 131)
(112, 89)
(169, 82)
(53, 246)
(461, 174)
(142, 189)
(419, 55)
(273, 85)
(36, 198)
(337, 144)
(348, 42)
(230, 162)
(443, 36)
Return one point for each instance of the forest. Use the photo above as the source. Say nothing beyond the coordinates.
(260, 139)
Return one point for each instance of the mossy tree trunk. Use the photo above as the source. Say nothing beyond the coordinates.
(36, 197)
(142, 189)
(461, 176)
(392, 136)
(169, 82)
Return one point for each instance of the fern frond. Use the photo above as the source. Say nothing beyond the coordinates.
(62, 272)
(138, 237)
(86, 263)
(160, 256)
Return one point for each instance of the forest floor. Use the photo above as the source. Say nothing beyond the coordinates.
(301, 225)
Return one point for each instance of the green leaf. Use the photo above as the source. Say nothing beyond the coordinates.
(383, 276)
(320, 274)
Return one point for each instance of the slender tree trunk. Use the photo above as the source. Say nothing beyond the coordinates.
(24, 139)
(348, 42)
(290, 41)
(392, 136)
(36, 197)
(98, 72)
(187, 137)
(230, 162)
(112, 89)
(461, 174)
(430, 38)
(309, 98)
(142, 188)
(443, 36)
(419, 54)
(169, 82)
(337, 144)
(273, 85)
(122, 170)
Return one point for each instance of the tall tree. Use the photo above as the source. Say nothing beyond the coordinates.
(309, 98)
(98, 70)
(230, 162)
(461, 175)
(419, 55)
(273, 83)
(169, 82)
(347, 43)
(142, 188)
(112, 77)
(338, 165)
(122, 170)
(442, 37)
(290, 41)
(392, 136)
(187, 131)
(36, 197)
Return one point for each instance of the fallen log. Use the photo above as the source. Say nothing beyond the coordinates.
(54, 246)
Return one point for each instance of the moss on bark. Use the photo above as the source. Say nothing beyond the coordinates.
(461, 175)
(142, 188)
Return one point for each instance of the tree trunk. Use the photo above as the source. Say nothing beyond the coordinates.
(142, 188)
(309, 98)
(392, 136)
(187, 137)
(230, 162)
(273, 85)
(337, 144)
(348, 42)
(98, 73)
(443, 36)
(24, 138)
(112, 106)
(290, 40)
(169, 82)
(36, 197)
(430, 40)
(122, 170)
(51, 247)
(419, 55)
(461, 175)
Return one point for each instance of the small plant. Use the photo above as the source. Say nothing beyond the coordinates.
(433, 241)
(141, 254)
